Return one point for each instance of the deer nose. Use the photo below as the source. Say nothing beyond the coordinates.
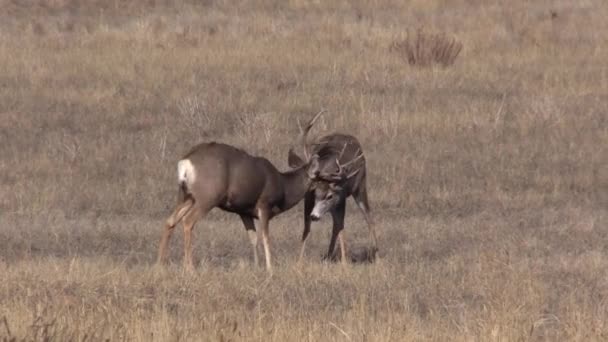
(315, 217)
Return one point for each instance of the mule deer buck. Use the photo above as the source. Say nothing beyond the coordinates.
(218, 175)
(341, 173)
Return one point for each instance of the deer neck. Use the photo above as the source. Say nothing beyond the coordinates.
(296, 184)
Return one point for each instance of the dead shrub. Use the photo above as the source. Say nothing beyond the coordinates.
(424, 49)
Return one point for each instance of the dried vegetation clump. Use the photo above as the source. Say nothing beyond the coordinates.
(424, 49)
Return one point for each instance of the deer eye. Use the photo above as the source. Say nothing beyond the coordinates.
(329, 196)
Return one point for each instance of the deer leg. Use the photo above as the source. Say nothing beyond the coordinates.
(332, 245)
(342, 247)
(190, 220)
(253, 237)
(337, 215)
(263, 216)
(362, 202)
(170, 224)
(309, 202)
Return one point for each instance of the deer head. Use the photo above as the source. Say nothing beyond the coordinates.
(327, 195)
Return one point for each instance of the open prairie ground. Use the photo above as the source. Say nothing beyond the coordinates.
(488, 178)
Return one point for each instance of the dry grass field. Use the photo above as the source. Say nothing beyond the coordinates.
(488, 178)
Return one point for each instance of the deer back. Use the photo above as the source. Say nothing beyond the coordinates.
(226, 172)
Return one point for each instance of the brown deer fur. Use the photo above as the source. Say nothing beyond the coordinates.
(334, 185)
(219, 175)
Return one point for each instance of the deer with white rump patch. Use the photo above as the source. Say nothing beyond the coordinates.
(219, 175)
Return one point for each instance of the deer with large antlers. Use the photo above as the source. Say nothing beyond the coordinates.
(341, 173)
(219, 175)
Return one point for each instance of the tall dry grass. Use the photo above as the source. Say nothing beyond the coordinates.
(488, 178)
(425, 49)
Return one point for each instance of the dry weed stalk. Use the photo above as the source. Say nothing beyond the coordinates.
(424, 49)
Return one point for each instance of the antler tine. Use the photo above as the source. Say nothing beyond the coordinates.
(342, 152)
(342, 167)
(359, 156)
(351, 162)
(312, 122)
(304, 133)
(353, 173)
(339, 157)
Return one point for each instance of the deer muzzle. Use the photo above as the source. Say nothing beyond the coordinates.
(320, 208)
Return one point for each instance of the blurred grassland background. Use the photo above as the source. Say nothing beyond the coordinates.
(488, 178)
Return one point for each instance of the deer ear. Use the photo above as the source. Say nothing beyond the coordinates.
(314, 167)
(294, 160)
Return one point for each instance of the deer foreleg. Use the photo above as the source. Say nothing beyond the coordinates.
(263, 216)
(309, 202)
(337, 215)
(342, 247)
(253, 237)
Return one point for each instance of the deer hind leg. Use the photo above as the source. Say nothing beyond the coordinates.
(177, 215)
(253, 237)
(190, 219)
(362, 202)
(309, 202)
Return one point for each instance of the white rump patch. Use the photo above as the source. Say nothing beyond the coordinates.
(185, 172)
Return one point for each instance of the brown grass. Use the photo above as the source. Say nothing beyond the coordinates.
(489, 178)
(424, 49)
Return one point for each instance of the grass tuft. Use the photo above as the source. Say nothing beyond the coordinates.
(424, 49)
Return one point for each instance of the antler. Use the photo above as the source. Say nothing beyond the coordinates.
(304, 133)
(343, 171)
